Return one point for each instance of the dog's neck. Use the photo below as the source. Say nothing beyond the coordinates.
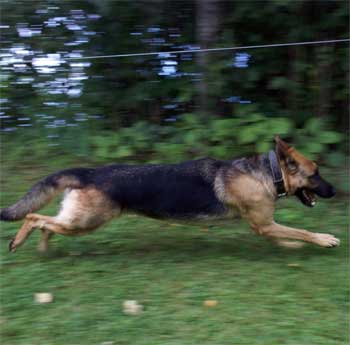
(276, 174)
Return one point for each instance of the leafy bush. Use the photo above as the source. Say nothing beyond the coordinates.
(191, 136)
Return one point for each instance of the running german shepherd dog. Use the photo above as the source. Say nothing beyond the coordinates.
(204, 189)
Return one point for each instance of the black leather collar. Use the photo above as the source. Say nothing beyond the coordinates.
(276, 173)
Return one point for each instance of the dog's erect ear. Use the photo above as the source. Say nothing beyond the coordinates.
(285, 154)
(282, 148)
(282, 144)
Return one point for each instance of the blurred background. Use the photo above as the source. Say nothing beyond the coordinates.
(168, 107)
(61, 107)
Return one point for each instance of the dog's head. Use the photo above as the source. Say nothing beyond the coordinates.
(301, 175)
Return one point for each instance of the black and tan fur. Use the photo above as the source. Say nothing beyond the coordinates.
(205, 189)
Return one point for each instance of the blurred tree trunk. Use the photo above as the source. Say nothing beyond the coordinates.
(207, 24)
(323, 60)
(323, 57)
(296, 56)
(296, 70)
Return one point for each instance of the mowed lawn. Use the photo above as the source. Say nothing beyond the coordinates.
(265, 294)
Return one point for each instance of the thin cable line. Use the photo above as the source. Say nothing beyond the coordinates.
(210, 49)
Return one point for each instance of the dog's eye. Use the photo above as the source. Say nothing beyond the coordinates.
(292, 166)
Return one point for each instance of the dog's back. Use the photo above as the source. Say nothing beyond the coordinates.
(184, 190)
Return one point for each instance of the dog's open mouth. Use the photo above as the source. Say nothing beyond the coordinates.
(306, 196)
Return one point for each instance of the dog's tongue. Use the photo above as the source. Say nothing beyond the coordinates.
(309, 196)
(306, 197)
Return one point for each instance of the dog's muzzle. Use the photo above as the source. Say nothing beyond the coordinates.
(320, 188)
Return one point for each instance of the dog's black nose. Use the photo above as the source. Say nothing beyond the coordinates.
(333, 191)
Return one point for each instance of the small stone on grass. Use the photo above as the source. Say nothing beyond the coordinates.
(210, 303)
(43, 297)
(131, 307)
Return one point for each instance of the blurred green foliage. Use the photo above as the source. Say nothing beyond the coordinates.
(189, 137)
(299, 92)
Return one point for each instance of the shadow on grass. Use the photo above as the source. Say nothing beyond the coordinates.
(179, 248)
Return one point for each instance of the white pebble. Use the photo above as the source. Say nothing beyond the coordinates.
(132, 307)
(43, 297)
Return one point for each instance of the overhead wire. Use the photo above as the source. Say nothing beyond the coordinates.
(210, 49)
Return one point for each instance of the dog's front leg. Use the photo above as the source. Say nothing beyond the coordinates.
(260, 218)
(284, 232)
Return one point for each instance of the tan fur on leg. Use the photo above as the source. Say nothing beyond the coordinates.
(82, 212)
(23, 233)
(260, 218)
(290, 244)
(36, 221)
(280, 231)
(43, 244)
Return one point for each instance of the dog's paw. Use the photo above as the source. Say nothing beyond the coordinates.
(327, 240)
(12, 247)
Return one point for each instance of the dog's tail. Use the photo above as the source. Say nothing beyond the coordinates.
(43, 191)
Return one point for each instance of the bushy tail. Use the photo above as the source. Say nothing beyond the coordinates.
(43, 191)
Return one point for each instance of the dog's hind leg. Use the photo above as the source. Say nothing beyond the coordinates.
(36, 221)
(82, 212)
(43, 244)
(47, 225)
(23, 233)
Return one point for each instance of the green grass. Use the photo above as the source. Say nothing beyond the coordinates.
(171, 270)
